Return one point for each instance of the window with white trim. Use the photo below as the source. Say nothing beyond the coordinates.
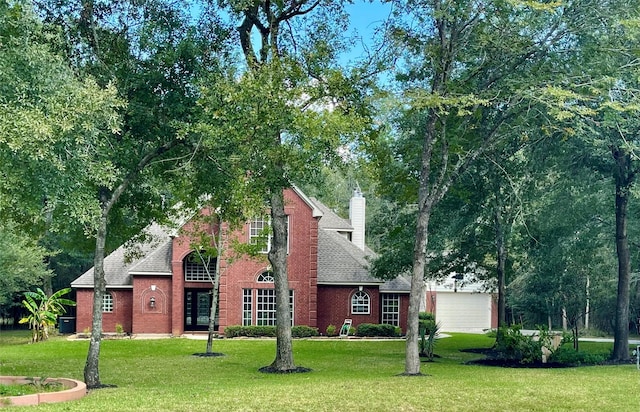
(264, 309)
(107, 302)
(391, 309)
(360, 303)
(195, 270)
(260, 232)
(265, 277)
(247, 307)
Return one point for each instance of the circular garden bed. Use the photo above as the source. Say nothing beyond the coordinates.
(46, 390)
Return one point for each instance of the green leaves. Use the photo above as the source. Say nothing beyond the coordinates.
(44, 311)
(21, 263)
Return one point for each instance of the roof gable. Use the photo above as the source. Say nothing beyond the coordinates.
(152, 255)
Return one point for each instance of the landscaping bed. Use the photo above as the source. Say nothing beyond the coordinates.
(39, 390)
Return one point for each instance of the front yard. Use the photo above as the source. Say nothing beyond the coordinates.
(358, 375)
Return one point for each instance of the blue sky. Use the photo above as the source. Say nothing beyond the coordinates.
(365, 17)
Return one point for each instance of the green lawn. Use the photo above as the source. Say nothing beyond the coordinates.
(354, 375)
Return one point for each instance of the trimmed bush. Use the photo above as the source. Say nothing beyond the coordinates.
(426, 323)
(332, 330)
(569, 356)
(370, 330)
(236, 331)
(303, 331)
(250, 331)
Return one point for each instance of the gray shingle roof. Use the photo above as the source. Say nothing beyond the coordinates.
(152, 255)
(401, 284)
(330, 220)
(340, 261)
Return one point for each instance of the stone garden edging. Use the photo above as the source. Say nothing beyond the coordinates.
(74, 390)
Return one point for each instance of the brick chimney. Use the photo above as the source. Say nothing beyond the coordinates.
(357, 207)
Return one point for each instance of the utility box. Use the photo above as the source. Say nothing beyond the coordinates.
(67, 325)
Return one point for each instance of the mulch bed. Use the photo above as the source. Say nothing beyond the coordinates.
(272, 369)
(493, 358)
(208, 354)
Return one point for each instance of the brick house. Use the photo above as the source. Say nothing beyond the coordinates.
(163, 289)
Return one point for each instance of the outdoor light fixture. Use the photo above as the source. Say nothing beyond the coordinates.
(360, 288)
(152, 302)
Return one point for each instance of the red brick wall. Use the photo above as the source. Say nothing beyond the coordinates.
(404, 310)
(168, 315)
(122, 311)
(334, 306)
(147, 319)
(302, 268)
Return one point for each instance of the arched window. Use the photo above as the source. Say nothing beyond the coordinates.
(107, 302)
(195, 270)
(360, 303)
(265, 277)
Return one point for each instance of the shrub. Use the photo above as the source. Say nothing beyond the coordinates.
(569, 356)
(250, 331)
(235, 331)
(426, 316)
(370, 329)
(515, 346)
(303, 331)
(426, 323)
(331, 330)
(119, 328)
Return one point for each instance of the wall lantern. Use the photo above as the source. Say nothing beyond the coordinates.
(152, 302)
(360, 288)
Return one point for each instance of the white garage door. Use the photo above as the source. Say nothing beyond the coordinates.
(463, 312)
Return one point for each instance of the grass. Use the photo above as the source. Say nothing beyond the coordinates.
(347, 375)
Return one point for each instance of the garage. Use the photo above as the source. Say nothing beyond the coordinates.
(463, 311)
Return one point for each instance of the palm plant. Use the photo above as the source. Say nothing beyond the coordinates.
(44, 311)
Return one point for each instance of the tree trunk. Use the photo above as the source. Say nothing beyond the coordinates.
(501, 255)
(412, 356)
(215, 280)
(278, 258)
(425, 205)
(91, 369)
(624, 181)
(587, 309)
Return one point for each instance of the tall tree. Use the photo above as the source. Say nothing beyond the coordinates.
(48, 115)
(602, 104)
(152, 54)
(470, 68)
(285, 114)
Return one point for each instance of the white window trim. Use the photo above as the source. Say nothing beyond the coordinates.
(355, 303)
(108, 303)
(201, 275)
(267, 222)
(395, 299)
(252, 304)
